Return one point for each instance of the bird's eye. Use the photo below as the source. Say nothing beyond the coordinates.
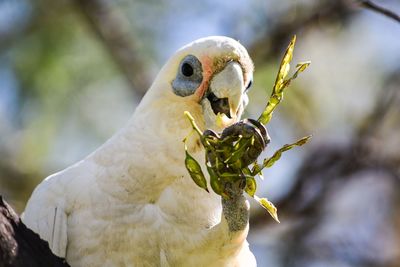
(186, 69)
(189, 76)
(249, 85)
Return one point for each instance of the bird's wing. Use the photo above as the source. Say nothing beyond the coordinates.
(46, 216)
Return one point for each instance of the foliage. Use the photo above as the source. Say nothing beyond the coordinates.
(231, 156)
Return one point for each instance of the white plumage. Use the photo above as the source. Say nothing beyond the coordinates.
(132, 202)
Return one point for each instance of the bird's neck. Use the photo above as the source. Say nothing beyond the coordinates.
(148, 154)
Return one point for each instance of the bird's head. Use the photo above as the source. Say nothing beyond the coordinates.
(208, 77)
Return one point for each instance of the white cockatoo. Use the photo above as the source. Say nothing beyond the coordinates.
(132, 202)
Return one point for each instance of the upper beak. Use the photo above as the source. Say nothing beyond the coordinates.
(226, 91)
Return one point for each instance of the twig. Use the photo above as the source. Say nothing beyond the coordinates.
(378, 9)
(276, 35)
(112, 31)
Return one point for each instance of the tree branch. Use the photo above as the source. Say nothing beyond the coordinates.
(378, 9)
(277, 34)
(112, 31)
(20, 246)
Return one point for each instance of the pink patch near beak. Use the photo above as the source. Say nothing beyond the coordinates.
(207, 64)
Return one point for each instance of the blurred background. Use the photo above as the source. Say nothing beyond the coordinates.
(72, 72)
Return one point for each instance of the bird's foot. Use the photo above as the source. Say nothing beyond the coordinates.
(236, 207)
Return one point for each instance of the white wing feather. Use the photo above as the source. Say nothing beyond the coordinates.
(45, 215)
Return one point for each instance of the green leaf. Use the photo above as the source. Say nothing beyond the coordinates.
(281, 83)
(300, 67)
(277, 90)
(269, 206)
(251, 186)
(284, 67)
(227, 159)
(277, 155)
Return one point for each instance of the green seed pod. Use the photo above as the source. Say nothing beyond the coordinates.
(215, 181)
(195, 171)
(230, 177)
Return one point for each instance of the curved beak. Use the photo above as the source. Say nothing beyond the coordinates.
(226, 95)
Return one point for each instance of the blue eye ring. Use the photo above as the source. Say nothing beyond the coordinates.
(188, 77)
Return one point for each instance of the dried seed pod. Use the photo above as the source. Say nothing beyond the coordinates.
(240, 128)
(262, 129)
